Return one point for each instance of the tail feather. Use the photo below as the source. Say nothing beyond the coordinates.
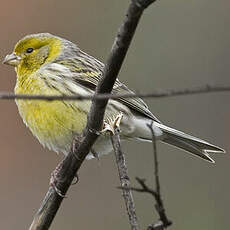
(172, 140)
(189, 143)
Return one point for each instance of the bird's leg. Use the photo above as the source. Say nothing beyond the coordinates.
(111, 124)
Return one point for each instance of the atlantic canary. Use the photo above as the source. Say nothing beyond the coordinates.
(50, 65)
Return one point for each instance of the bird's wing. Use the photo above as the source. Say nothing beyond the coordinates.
(87, 71)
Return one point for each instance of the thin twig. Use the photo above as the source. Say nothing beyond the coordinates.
(164, 222)
(159, 201)
(81, 148)
(156, 168)
(156, 94)
(124, 179)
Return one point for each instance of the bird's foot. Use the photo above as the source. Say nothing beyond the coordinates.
(95, 154)
(112, 124)
(75, 180)
(54, 180)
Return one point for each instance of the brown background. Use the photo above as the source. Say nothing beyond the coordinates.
(178, 44)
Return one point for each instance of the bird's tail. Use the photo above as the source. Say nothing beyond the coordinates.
(177, 138)
(189, 143)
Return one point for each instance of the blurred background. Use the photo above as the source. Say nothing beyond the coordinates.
(178, 44)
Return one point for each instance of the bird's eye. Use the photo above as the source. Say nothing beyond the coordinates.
(29, 50)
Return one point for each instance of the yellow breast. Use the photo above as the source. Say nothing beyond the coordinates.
(53, 123)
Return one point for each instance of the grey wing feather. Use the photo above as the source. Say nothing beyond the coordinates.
(137, 104)
(87, 72)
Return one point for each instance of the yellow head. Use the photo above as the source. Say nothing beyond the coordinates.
(33, 51)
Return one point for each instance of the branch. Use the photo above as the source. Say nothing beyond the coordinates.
(164, 222)
(82, 146)
(157, 195)
(124, 179)
(156, 171)
(102, 96)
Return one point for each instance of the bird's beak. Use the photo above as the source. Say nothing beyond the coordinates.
(11, 59)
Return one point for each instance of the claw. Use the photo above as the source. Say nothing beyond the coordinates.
(53, 182)
(75, 180)
(95, 154)
(54, 179)
(112, 124)
(58, 191)
(107, 128)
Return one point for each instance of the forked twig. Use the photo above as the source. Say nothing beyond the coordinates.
(163, 222)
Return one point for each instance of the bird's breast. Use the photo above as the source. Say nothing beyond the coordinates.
(54, 123)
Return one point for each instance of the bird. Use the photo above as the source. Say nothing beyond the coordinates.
(46, 64)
